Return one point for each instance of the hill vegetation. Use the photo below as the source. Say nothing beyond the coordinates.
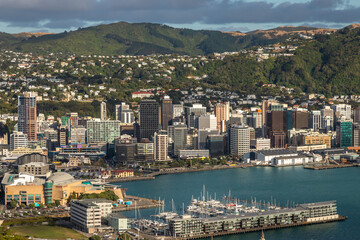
(143, 39)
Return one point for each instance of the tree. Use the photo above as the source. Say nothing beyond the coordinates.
(94, 237)
(13, 204)
(32, 205)
(57, 202)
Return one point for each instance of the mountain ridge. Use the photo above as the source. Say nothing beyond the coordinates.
(149, 38)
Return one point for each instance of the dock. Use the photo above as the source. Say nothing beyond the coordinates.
(258, 229)
(324, 167)
(138, 203)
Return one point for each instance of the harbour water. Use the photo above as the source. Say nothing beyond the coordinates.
(283, 184)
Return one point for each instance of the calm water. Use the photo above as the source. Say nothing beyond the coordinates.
(283, 184)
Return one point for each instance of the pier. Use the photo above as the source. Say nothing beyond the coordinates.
(258, 229)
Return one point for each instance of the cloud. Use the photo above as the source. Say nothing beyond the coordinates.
(75, 13)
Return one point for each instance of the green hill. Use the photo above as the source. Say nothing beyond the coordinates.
(142, 39)
(329, 64)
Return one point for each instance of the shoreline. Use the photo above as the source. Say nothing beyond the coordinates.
(152, 176)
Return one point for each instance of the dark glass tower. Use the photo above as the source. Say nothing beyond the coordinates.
(149, 118)
(166, 112)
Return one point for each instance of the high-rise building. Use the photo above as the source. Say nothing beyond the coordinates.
(124, 114)
(194, 112)
(27, 115)
(99, 131)
(357, 115)
(206, 121)
(178, 110)
(239, 140)
(103, 112)
(166, 112)
(179, 138)
(327, 118)
(220, 114)
(202, 136)
(144, 150)
(344, 133)
(255, 119)
(149, 118)
(356, 134)
(227, 111)
(315, 120)
(215, 144)
(161, 146)
(300, 119)
(275, 121)
(266, 107)
(17, 140)
(63, 136)
(342, 110)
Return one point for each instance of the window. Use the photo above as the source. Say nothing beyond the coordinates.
(37, 198)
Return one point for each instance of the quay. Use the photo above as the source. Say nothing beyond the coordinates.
(138, 203)
(328, 166)
(189, 227)
(258, 229)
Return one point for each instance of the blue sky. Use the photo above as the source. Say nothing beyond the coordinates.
(230, 15)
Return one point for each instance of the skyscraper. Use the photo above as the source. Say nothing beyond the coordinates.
(27, 115)
(220, 113)
(193, 112)
(149, 118)
(315, 120)
(206, 121)
(344, 133)
(161, 146)
(103, 114)
(239, 140)
(166, 112)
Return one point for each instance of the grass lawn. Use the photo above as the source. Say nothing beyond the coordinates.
(43, 231)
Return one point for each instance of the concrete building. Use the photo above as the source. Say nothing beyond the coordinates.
(103, 111)
(316, 120)
(144, 150)
(124, 114)
(17, 140)
(161, 141)
(27, 115)
(261, 144)
(179, 137)
(178, 110)
(193, 112)
(356, 134)
(202, 137)
(327, 118)
(86, 214)
(194, 153)
(220, 114)
(239, 140)
(99, 131)
(63, 136)
(342, 110)
(149, 118)
(118, 222)
(206, 122)
(315, 138)
(35, 168)
(166, 112)
(78, 135)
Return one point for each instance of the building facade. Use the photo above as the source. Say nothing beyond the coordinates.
(27, 115)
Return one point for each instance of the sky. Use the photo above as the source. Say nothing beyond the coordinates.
(225, 15)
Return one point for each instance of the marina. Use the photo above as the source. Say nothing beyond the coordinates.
(293, 183)
(206, 216)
